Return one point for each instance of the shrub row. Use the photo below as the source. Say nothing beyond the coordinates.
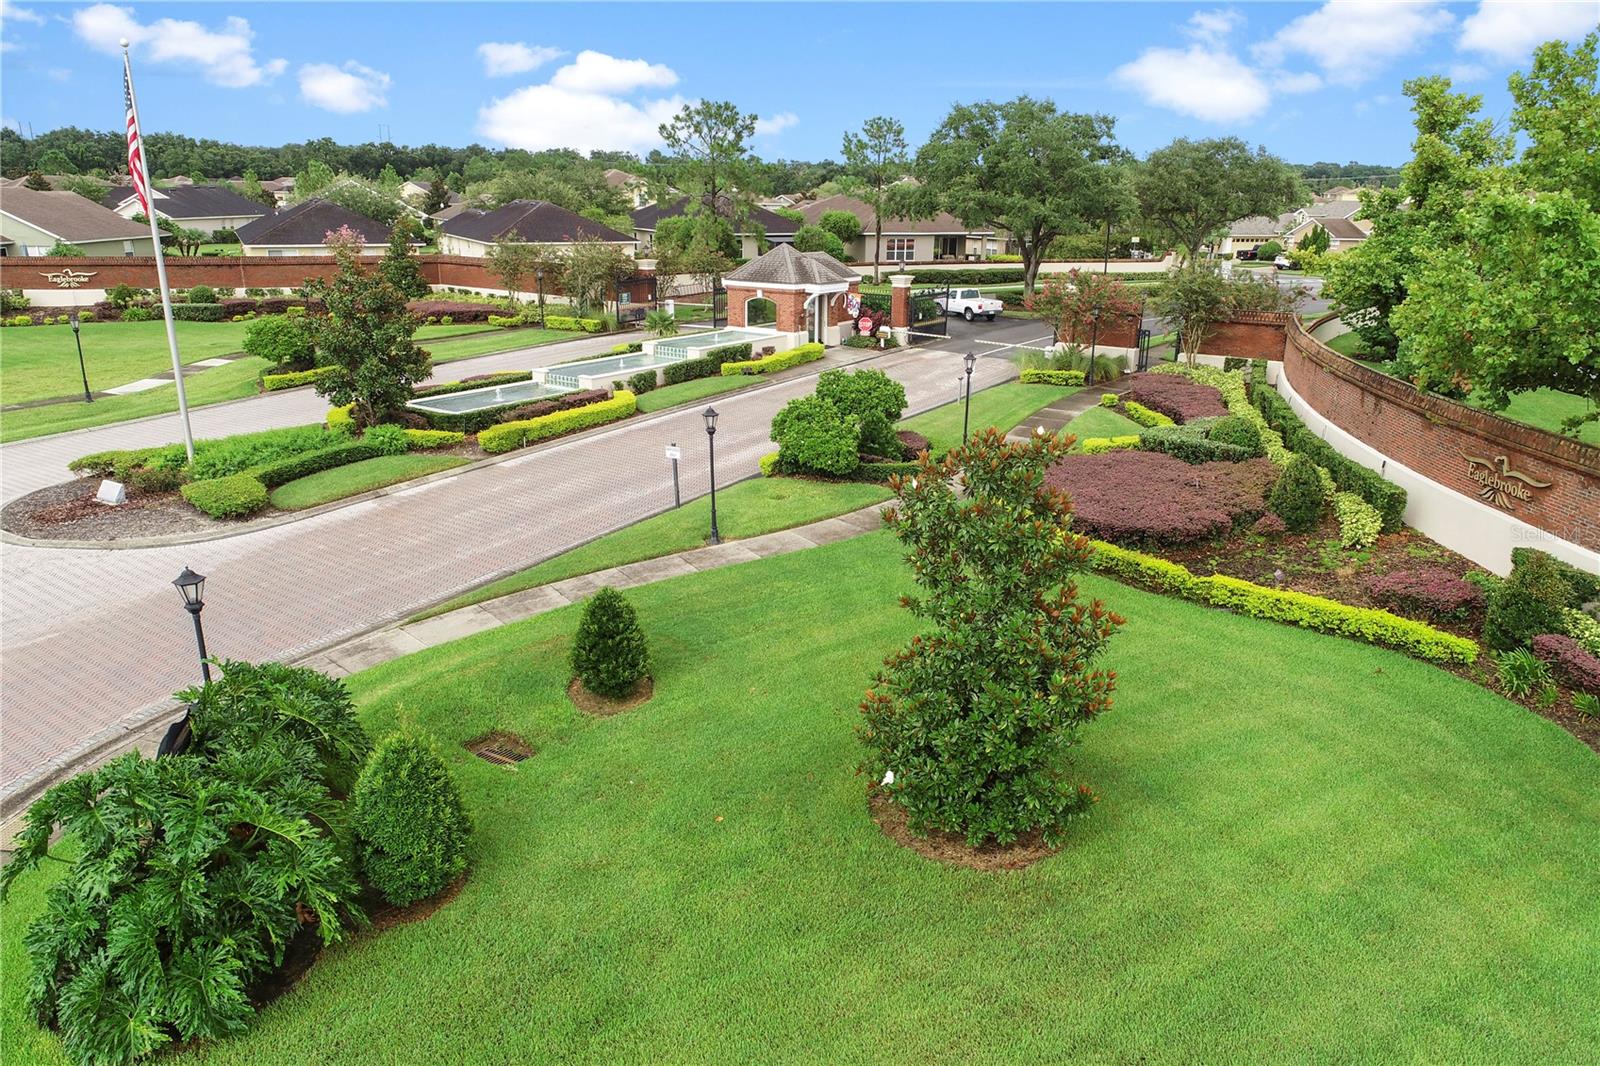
(1146, 417)
(483, 418)
(704, 366)
(1177, 397)
(284, 471)
(770, 364)
(478, 381)
(1386, 497)
(1052, 377)
(1231, 386)
(1192, 448)
(1101, 445)
(584, 325)
(861, 340)
(510, 435)
(1368, 624)
(295, 378)
(423, 439)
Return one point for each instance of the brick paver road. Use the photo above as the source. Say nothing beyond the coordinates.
(90, 636)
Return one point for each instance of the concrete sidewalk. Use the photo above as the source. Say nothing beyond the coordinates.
(1054, 416)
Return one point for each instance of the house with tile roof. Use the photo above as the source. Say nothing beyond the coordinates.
(206, 208)
(32, 222)
(475, 232)
(757, 224)
(302, 229)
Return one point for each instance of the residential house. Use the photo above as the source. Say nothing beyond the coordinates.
(301, 229)
(773, 203)
(759, 224)
(474, 232)
(635, 190)
(206, 208)
(908, 240)
(34, 221)
(1248, 234)
(1292, 227)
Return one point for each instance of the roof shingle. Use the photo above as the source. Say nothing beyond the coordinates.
(782, 265)
(646, 218)
(68, 216)
(191, 201)
(943, 222)
(308, 223)
(529, 220)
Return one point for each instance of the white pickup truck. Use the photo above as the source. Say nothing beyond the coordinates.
(969, 304)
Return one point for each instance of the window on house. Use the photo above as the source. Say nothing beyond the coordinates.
(127, 248)
(274, 252)
(899, 249)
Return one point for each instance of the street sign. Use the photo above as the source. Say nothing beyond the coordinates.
(674, 452)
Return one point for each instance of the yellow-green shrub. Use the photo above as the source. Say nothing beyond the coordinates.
(294, 379)
(806, 353)
(1096, 445)
(1145, 416)
(341, 420)
(419, 439)
(1052, 377)
(233, 496)
(511, 435)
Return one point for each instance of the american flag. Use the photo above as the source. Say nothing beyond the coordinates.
(135, 145)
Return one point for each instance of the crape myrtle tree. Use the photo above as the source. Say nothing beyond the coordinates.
(1194, 298)
(366, 334)
(590, 271)
(977, 715)
(1072, 302)
(1190, 190)
(1021, 166)
(513, 261)
(877, 157)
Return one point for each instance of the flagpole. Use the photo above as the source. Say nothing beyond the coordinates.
(161, 260)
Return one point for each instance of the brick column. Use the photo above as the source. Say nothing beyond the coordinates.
(736, 302)
(900, 307)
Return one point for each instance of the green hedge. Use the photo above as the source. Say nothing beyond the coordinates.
(1097, 445)
(422, 439)
(1190, 447)
(510, 435)
(1052, 377)
(198, 313)
(444, 388)
(1584, 585)
(289, 469)
(586, 325)
(1145, 416)
(806, 353)
(729, 353)
(1386, 497)
(1283, 605)
(233, 496)
(295, 378)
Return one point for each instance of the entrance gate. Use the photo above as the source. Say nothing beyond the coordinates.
(927, 320)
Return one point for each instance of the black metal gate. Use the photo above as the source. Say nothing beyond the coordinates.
(927, 314)
(1144, 350)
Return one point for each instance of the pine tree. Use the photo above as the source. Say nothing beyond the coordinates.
(609, 655)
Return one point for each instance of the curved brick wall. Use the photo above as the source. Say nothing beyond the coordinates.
(1433, 436)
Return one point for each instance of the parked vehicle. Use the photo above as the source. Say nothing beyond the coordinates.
(1245, 254)
(969, 304)
(1283, 263)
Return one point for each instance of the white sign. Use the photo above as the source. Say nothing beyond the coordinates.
(674, 452)
(111, 492)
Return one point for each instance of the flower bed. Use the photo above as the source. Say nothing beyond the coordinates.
(1431, 592)
(510, 435)
(771, 364)
(1175, 396)
(1149, 498)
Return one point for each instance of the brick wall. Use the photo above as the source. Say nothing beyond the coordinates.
(1250, 335)
(1430, 435)
(791, 317)
(249, 272)
(1120, 331)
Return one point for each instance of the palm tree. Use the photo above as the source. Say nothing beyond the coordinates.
(662, 323)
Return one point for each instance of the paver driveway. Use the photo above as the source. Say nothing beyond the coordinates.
(90, 636)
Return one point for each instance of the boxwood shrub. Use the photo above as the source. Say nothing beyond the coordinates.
(806, 353)
(1386, 497)
(1528, 603)
(1585, 587)
(295, 378)
(584, 325)
(478, 381)
(1053, 377)
(422, 439)
(198, 313)
(233, 496)
(291, 468)
(411, 827)
(1190, 447)
(510, 435)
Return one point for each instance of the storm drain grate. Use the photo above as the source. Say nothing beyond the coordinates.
(502, 749)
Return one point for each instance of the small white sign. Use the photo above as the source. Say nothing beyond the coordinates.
(111, 492)
(674, 452)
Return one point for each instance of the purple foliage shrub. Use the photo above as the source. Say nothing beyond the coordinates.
(1431, 592)
(1569, 661)
(1150, 498)
(1176, 397)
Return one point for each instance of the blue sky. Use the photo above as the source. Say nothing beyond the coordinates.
(1309, 80)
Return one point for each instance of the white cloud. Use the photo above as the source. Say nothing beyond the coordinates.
(1305, 82)
(224, 57)
(548, 116)
(346, 90)
(514, 57)
(1511, 29)
(1213, 26)
(596, 72)
(59, 74)
(10, 12)
(1467, 71)
(1353, 40)
(773, 124)
(1208, 82)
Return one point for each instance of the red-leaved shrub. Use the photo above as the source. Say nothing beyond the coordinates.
(1569, 661)
(1176, 397)
(458, 311)
(1431, 592)
(913, 442)
(1150, 498)
(1269, 525)
(563, 402)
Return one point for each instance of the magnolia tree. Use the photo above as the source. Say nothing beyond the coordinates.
(977, 715)
(1074, 302)
(366, 336)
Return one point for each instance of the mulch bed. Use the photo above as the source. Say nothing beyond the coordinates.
(603, 706)
(952, 848)
(68, 512)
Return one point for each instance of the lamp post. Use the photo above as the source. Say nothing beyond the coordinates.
(971, 361)
(1094, 336)
(538, 279)
(710, 415)
(192, 585)
(77, 336)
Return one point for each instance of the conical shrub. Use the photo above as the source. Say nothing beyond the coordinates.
(610, 655)
(411, 827)
(1297, 497)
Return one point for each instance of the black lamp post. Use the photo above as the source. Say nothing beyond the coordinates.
(1094, 337)
(192, 586)
(73, 318)
(538, 279)
(710, 415)
(971, 361)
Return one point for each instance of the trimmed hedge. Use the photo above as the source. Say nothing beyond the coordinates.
(515, 410)
(1052, 377)
(289, 469)
(295, 378)
(479, 381)
(233, 496)
(585, 325)
(198, 313)
(1097, 445)
(1386, 497)
(729, 353)
(1367, 624)
(1150, 419)
(1190, 447)
(511, 435)
(423, 439)
(806, 353)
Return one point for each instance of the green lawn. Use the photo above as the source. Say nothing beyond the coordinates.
(1101, 422)
(745, 509)
(41, 362)
(493, 339)
(1003, 406)
(1348, 345)
(698, 389)
(328, 485)
(1307, 850)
